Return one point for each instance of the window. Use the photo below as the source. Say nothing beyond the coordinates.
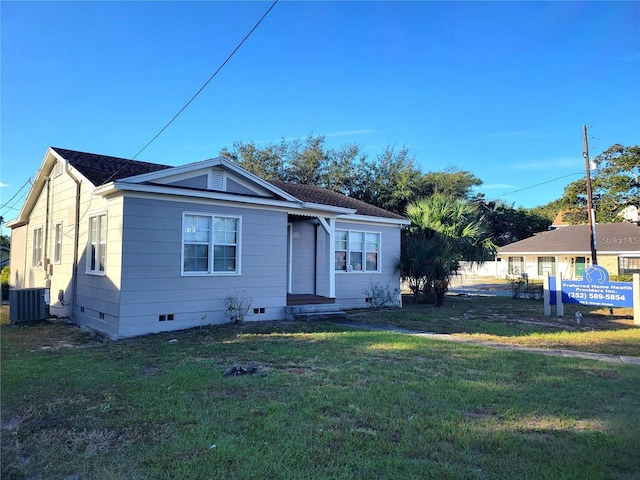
(97, 247)
(628, 265)
(210, 244)
(546, 265)
(37, 248)
(357, 251)
(515, 266)
(57, 246)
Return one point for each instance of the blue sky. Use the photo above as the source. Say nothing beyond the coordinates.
(500, 89)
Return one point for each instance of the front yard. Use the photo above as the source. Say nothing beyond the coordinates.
(325, 401)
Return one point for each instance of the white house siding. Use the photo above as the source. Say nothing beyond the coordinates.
(19, 266)
(152, 283)
(63, 212)
(350, 286)
(97, 302)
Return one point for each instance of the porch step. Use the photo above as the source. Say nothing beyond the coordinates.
(310, 313)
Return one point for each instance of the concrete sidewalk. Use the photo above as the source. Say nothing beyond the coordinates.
(600, 357)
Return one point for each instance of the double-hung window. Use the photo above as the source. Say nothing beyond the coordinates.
(516, 266)
(57, 244)
(357, 251)
(628, 265)
(546, 265)
(37, 248)
(210, 244)
(97, 245)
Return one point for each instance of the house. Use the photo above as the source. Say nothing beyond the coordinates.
(129, 247)
(567, 250)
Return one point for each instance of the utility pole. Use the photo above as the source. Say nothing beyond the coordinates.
(591, 212)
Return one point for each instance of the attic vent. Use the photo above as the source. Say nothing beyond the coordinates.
(215, 180)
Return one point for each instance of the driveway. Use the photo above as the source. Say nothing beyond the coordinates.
(474, 285)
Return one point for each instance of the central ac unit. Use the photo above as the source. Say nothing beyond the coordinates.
(28, 304)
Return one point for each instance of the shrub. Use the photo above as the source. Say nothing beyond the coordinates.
(4, 276)
(379, 295)
(237, 306)
(621, 278)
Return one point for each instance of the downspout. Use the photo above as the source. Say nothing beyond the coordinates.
(76, 240)
(45, 240)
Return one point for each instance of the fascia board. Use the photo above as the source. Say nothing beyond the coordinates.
(314, 208)
(542, 253)
(113, 187)
(206, 164)
(172, 171)
(48, 161)
(371, 219)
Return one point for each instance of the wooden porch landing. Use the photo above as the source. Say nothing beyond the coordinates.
(307, 299)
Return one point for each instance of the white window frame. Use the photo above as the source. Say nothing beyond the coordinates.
(547, 264)
(97, 247)
(516, 261)
(212, 244)
(57, 243)
(36, 250)
(349, 267)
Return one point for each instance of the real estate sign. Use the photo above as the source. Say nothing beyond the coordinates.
(594, 289)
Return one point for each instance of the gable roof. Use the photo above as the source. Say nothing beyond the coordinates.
(324, 196)
(99, 169)
(611, 237)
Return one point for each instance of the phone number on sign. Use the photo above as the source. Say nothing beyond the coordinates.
(597, 296)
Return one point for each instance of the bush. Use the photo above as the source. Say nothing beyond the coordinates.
(4, 276)
(379, 295)
(621, 278)
(237, 306)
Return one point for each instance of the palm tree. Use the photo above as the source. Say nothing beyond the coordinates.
(444, 231)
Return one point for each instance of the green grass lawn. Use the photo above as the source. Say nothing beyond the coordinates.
(327, 402)
(518, 322)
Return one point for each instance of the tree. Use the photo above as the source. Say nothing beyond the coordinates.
(615, 185)
(506, 224)
(265, 162)
(444, 231)
(451, 182)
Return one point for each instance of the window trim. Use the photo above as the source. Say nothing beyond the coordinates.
(211, 272)
(36, 258)
(57, 243)
(101, 250)
(520, 264)
(348, 267)
(625, 270)
(553, 263)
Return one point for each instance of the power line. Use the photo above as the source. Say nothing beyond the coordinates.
(199, 91)
(15, 195)
(538, 184)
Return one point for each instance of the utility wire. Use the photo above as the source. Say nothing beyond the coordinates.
(199, 91)
(15, 194)
(538, 184)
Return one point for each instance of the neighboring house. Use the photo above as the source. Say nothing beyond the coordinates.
(130, 247)
(4, 256)
(567, 250)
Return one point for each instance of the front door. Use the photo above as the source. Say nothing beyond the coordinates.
(580, 264)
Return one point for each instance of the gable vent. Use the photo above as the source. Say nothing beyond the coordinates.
(215, 180)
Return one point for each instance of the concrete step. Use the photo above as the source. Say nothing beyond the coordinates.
(310, 313)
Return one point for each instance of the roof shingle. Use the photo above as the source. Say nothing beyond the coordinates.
(611, 237)
(100, 169)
